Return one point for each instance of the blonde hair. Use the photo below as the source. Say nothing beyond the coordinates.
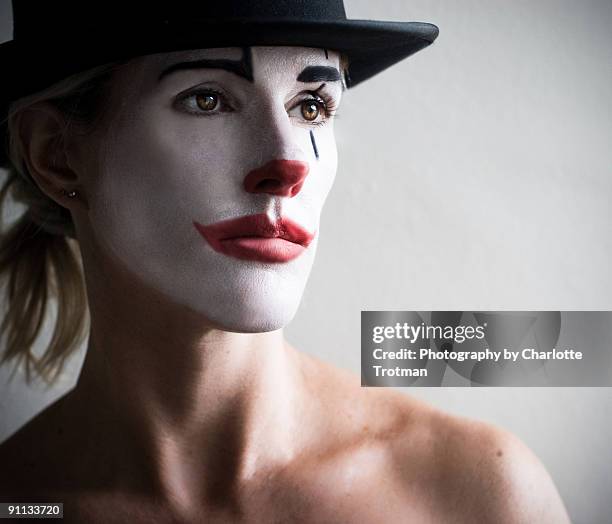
(39, 255)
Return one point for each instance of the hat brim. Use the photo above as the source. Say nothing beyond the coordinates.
(370, 45)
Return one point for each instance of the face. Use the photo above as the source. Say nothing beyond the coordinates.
(211, 175)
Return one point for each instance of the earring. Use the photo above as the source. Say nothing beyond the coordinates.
(70, 194)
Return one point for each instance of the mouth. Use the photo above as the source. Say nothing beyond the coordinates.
(255, 237)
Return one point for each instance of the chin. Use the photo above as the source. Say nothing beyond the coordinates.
(253, 316)
(252, 299)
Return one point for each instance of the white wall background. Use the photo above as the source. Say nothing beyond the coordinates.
(476, 174)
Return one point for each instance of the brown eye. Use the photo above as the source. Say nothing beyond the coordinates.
(206, 101)
(310, 109)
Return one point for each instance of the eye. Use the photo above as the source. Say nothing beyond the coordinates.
(316, 110)
(203, 102)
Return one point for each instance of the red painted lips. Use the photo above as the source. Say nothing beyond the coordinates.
(255, 237)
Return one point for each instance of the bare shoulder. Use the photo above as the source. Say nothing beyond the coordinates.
(418, 463)
(476, 471)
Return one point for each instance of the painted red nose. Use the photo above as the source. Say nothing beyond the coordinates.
(277, 177)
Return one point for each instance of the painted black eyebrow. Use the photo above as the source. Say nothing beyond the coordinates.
(242, 68)
(318, 74)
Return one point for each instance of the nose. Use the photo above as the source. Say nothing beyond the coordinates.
(277, 177)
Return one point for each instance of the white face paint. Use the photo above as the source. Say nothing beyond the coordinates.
(169, 158)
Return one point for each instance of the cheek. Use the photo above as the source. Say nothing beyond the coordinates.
(325, 166)
(154, 179)
(157, 164)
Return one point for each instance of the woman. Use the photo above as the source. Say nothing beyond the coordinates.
(188, 167)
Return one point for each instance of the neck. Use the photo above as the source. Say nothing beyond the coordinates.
(194, 409)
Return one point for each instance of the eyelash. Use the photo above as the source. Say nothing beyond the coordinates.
(327, 103)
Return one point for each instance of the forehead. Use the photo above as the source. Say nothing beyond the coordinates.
(289, 57)
(258, 61)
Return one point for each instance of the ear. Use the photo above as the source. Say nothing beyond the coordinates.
(42, 132)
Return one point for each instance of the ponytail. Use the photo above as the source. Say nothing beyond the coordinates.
(39, 264)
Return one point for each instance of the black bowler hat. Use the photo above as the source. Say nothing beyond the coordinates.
(53, 40)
